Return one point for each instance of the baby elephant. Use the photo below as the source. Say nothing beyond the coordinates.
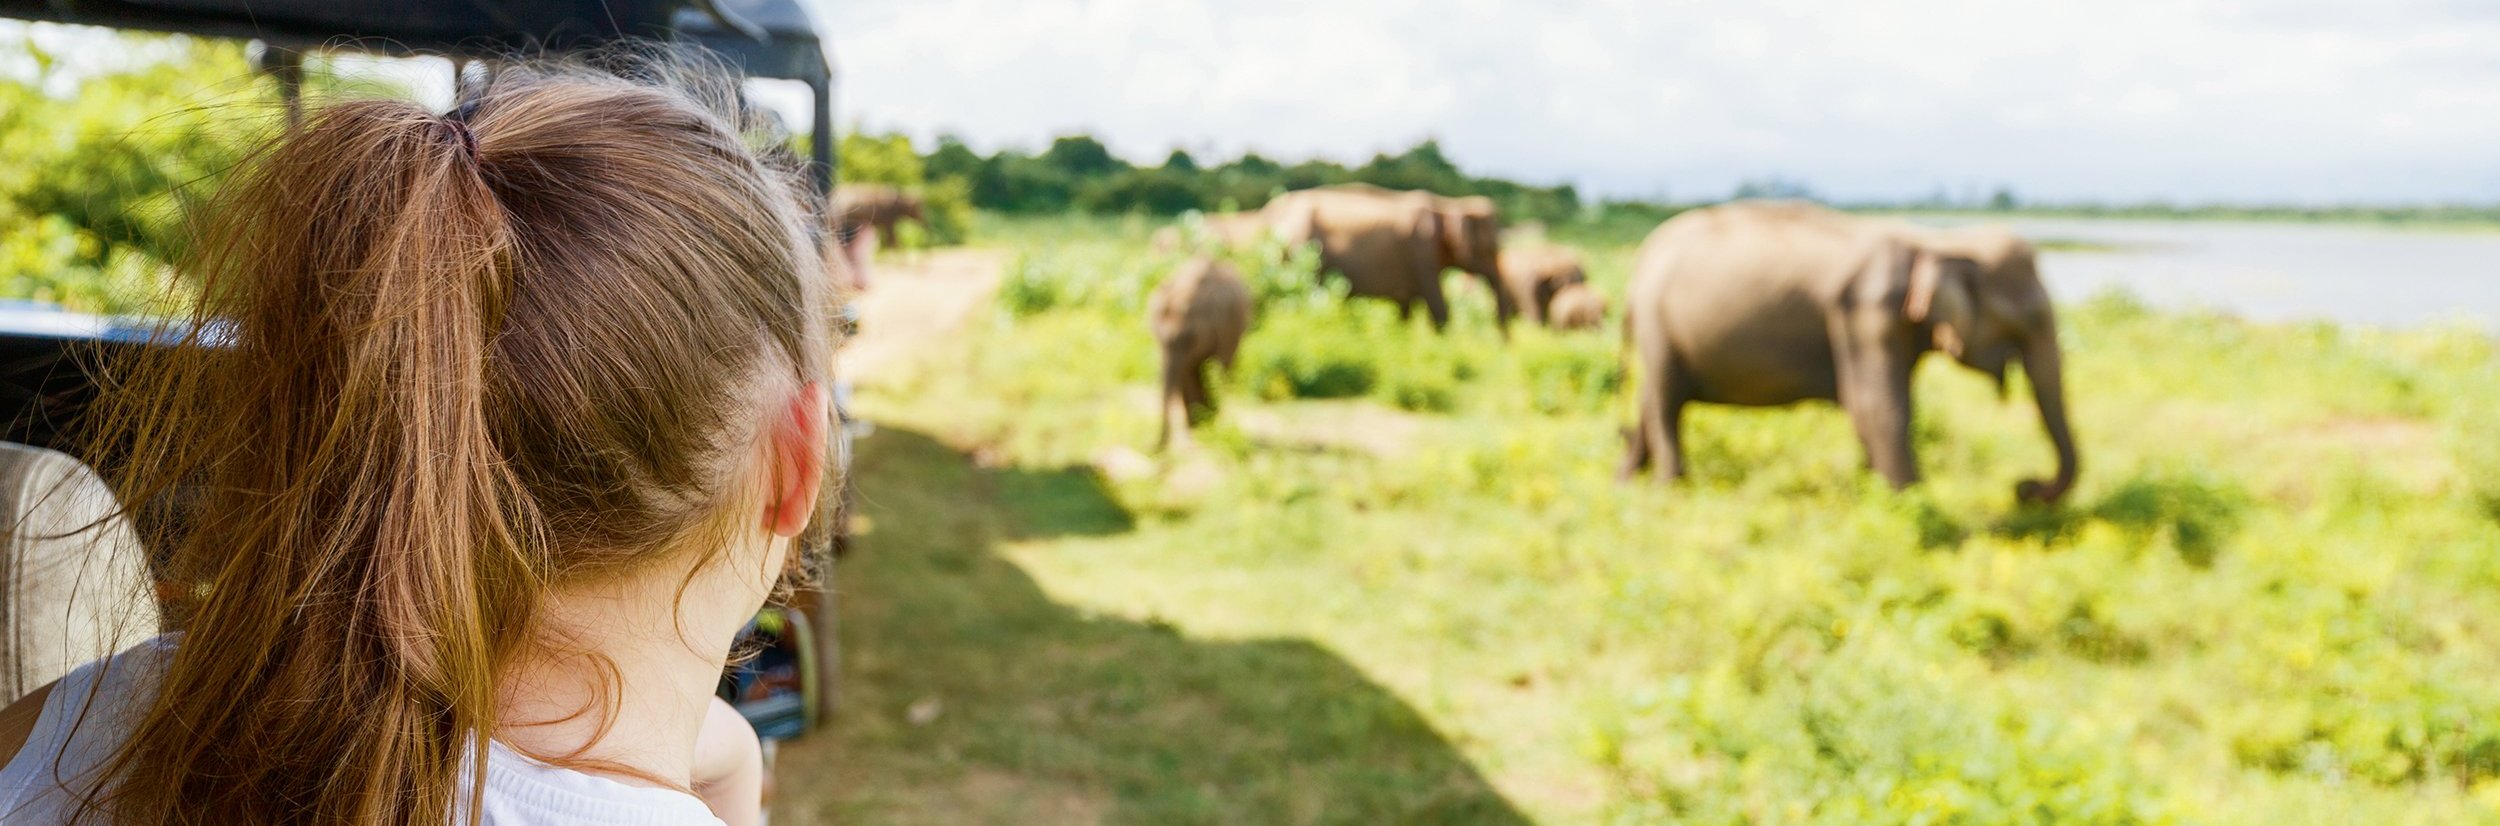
(1535, 276)
(1576, 307)
(877, 206)
(1198, 314)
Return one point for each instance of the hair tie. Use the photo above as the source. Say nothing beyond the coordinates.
(458, 120)
(467, 139)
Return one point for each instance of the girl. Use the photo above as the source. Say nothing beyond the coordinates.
(490, 432)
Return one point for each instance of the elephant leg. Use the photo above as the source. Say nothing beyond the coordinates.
(1874, 359)
(1175, 404)
(1656, 442)
(1665, 441)
(1194, 392)
(1505, 305)
(1436, 304)
(1882, 418)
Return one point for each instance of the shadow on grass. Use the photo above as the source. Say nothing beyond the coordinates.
(1068, 501)
(2199, 515)
(971, 697)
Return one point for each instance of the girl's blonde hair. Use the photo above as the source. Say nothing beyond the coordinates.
(433, 366)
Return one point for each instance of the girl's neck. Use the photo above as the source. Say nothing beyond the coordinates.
(625, 671)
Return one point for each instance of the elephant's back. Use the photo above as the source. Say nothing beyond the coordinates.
(866, 196)
(1578, 307)
(1351, 214)
(1202, 308)
(1371, 238)
(1742, 292)
(1541, 265)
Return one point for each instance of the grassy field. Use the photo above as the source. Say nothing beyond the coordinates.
(1397, 583)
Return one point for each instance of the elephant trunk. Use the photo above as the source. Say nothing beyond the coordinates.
(2044, 367)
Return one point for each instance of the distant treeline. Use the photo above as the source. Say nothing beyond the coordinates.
(1079, 173)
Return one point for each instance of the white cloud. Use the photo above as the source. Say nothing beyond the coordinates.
(2122, 99)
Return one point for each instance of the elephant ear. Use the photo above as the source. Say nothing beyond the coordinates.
(1940, 297)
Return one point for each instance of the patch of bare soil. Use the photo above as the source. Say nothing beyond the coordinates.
(913, 302)
(1354, 426)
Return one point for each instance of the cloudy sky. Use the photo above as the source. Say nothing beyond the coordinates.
(2191, 100)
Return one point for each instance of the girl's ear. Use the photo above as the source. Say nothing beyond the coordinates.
(799, 445)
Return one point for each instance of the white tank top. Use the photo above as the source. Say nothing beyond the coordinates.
(43, 784)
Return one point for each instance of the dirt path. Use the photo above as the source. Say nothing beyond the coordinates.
(914, 301)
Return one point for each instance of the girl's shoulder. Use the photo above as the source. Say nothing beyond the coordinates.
(85, 718)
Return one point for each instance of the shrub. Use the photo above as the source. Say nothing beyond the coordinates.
(1278, 365)
(2474, 441)
(889, 158)
(116, 156)
(948, 204)
(1568, 373)
(50, 260)
(1029, 288)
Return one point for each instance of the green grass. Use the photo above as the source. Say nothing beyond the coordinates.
(1425, 599)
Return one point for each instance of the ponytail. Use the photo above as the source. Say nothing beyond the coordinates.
(355, 281)
(428, 372)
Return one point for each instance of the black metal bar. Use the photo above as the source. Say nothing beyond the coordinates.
(828, 162)
(287, 65)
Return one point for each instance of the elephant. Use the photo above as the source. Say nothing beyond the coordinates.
(1762, 303)
(1472, 227)
(1533, 275)
(1198, 315)
(875, 205)
(1393, 245)
(1576, 307)
(848, 258)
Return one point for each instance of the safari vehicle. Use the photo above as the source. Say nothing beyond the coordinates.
(50, 359)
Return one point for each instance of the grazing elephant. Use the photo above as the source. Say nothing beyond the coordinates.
(1769, 303)
(1198, 314)
(875, 205)
(1472, 236)
(848, 259)
(1533, 275)
(1576, 307)
(1393, 245)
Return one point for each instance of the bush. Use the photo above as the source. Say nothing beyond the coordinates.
(880, 159)
(95, 180)
(1308, 375)
(1079, 172)
(890, 159)
(948, 204)
(1029, 288)
(51, 260)
(1568, 373)
(1279, 278)
(2474, 441)
(1303, 355)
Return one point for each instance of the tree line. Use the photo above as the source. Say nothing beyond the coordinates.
(1079, 173)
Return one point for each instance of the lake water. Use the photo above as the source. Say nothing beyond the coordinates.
(2280, 271)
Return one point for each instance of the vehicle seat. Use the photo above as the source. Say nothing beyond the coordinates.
(73, 576)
